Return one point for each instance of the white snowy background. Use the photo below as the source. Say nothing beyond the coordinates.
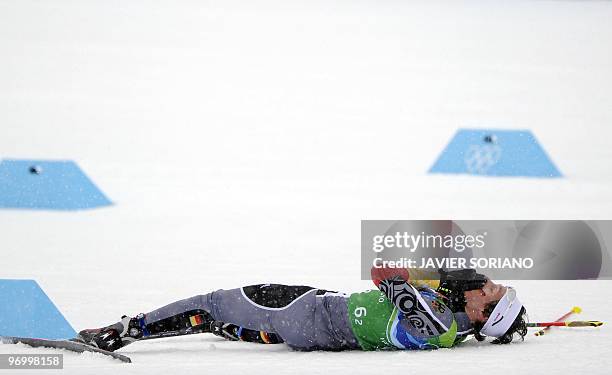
(243, 141)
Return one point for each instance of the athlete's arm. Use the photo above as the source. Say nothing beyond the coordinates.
(403, 295)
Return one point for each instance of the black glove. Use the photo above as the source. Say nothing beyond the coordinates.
(454, 283)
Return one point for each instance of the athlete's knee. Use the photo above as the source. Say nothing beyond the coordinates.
(276, 296)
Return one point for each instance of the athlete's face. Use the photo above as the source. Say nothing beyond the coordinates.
(477, 300)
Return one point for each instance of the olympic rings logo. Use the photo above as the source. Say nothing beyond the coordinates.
(480, 158)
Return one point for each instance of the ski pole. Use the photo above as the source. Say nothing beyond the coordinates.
(574, 310)
(576, 323)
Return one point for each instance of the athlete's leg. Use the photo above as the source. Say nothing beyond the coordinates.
(285, 310)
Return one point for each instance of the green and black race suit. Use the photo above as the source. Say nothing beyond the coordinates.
(404, 317)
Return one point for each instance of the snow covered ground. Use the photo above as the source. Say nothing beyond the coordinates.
(242, 142)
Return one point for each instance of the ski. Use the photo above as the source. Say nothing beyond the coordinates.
(73, 346)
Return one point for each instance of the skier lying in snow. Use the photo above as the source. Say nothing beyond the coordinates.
(403, 313)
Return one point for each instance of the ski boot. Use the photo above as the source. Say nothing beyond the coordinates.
(233, 332)
(112, 337)
(129, 329)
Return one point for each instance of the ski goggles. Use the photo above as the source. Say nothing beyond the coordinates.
(503, 315)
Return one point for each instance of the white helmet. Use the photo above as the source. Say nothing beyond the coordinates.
(503, 315)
